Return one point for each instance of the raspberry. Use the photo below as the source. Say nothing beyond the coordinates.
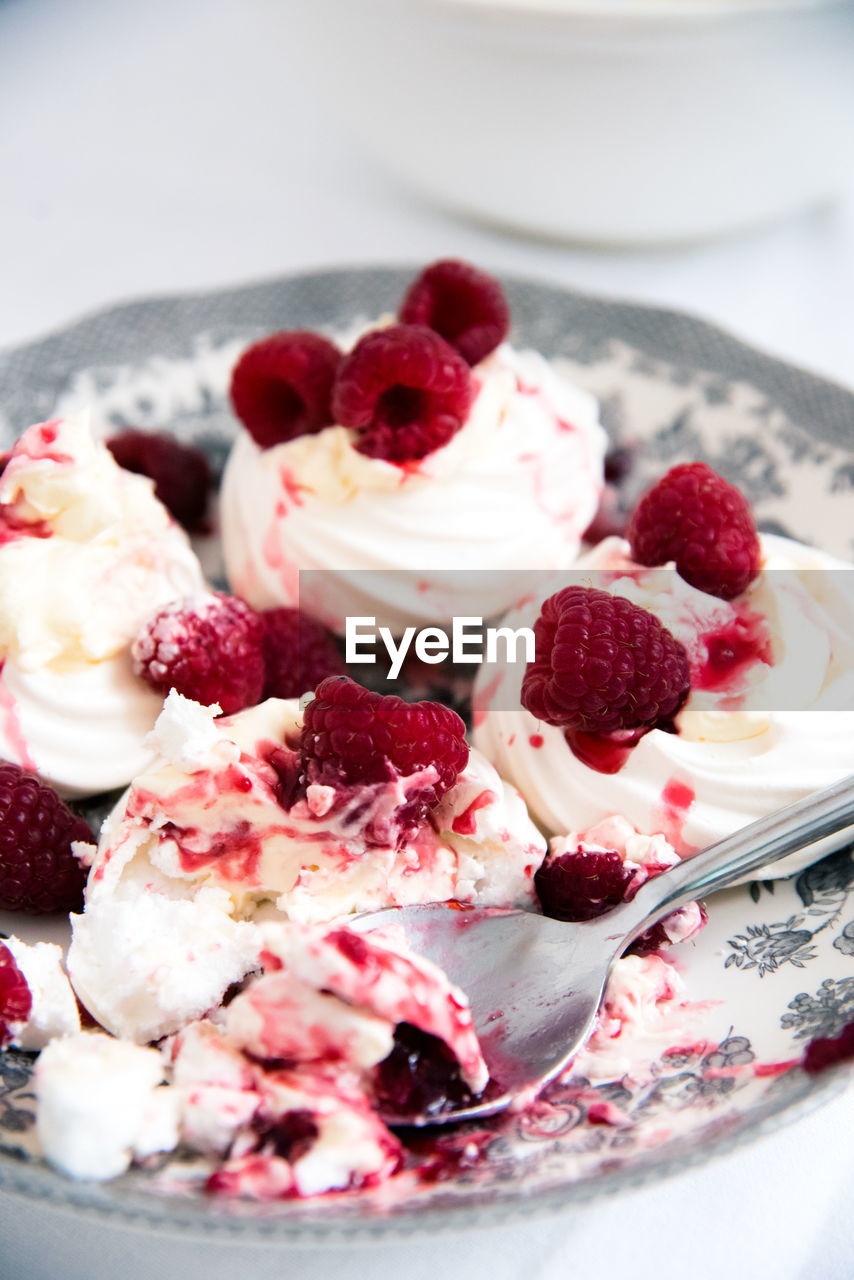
(210, 648)
(464, 305)
(581, 885)
(16, 1002)
(826, 1052)
(298, 653)
(603, 665)
(38, 871)
(281, 387)
(693, 516)
(404, 390)
(181, 475)
(619, 461)
(650, 941)
(289, 1136)
(420, 1075)
(352, 735)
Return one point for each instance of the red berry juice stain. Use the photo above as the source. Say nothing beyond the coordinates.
(235, 853)
(465, 823)
(10, 724)
(37, 444)
(768, 1070)
(275, 558)
(292, 487)
(13, 527)
(732, 651)
(482, 699)
(353, 947)
(671, 813)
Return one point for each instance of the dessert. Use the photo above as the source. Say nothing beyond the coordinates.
(240, 1018)
(278, 1086)
(217, 872)
(215, 929)
(768, 719)
(86, 554)
(219, 834)
(444, 464)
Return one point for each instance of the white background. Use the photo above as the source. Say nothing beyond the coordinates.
(149, 146)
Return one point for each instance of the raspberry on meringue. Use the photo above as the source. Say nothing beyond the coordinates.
(769, 718)
(509, 483)
(207, 843)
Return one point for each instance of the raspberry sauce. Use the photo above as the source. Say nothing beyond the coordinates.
(731, 651)
(671, 814)
(10, 724)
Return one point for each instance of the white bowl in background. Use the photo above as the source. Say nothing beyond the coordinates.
(608, 121)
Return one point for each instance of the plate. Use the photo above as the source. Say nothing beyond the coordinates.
(774, 966)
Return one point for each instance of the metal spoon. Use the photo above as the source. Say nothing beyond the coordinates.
(535, 984)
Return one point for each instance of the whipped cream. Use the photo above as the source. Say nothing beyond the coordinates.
(87, 553)
(514, 489)
(201, 850)
(726, 767)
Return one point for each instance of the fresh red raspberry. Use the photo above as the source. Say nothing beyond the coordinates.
(299, 652)
(16, 1002)
(693, 516)
(465, 305)
(404, 390)
(603, 665)
(826, 1051)
(281, 387)
(210, 648)
(581, 885)
(181, 475)
(352, 735)
(38, 871)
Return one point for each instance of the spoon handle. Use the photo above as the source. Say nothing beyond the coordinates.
(821, 814)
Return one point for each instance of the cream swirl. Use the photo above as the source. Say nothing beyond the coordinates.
(726, 767)
(514, 489)
(87, 553)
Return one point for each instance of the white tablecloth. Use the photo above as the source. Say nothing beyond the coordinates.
(150, 146)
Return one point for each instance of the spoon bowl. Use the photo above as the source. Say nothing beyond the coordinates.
(534, 984)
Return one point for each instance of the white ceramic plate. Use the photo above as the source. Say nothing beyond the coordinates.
(775, 965)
